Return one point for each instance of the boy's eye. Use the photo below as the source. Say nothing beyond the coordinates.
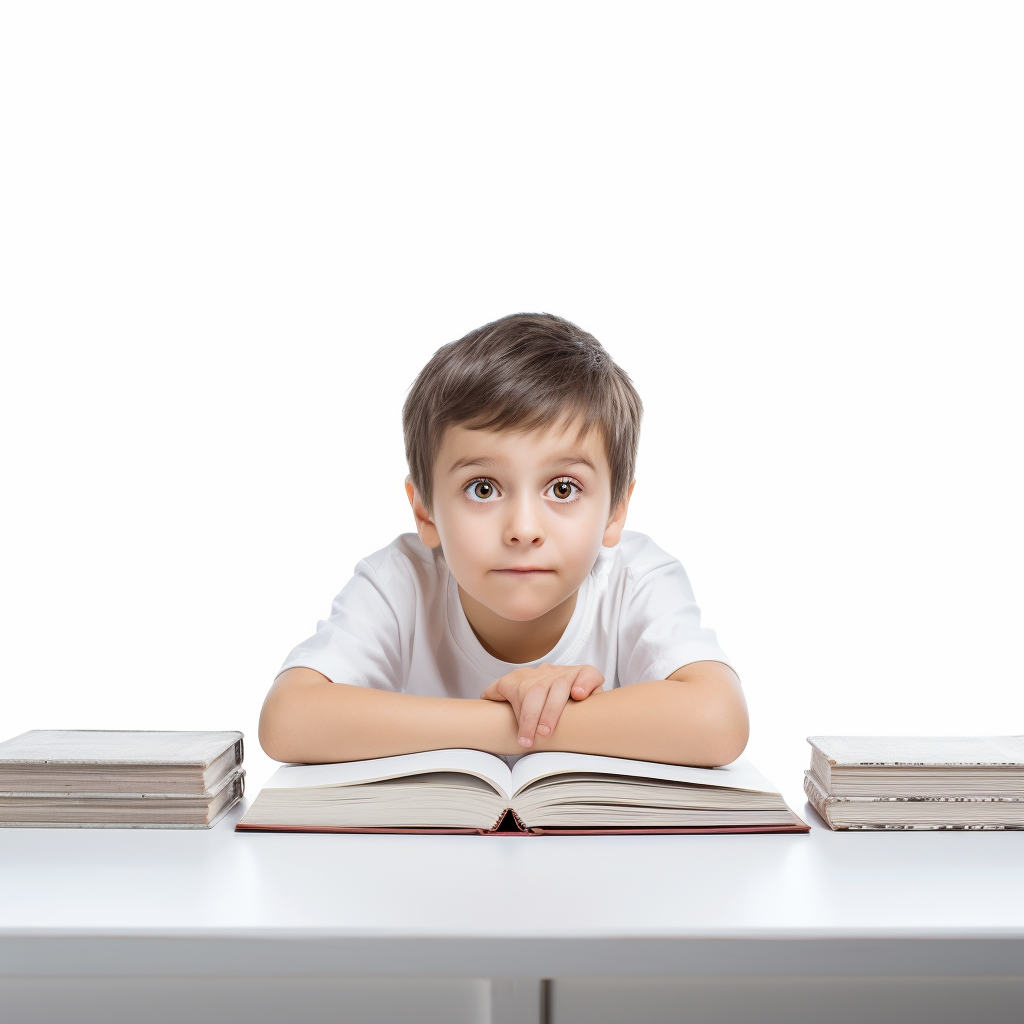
(480, 490)
(563, 489)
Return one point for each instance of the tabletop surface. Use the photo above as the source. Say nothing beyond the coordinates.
(823, 883)
(63, 884)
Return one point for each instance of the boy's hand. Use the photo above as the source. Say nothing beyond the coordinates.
(537, 695)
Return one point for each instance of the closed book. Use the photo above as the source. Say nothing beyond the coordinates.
(914, 813)
(118, 761)
(122, 810)
(548, 793)
(908, 766)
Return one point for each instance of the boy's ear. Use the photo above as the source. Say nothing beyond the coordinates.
(613, 531)
(424, 524)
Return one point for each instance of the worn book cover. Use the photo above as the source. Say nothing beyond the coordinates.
(122, 810)
(118, 760)
(914, 813)
(906, 766)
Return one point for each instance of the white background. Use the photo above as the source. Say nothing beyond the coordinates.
(233, 233)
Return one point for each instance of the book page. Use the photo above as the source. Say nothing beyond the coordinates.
(484, 766)
(741, 774)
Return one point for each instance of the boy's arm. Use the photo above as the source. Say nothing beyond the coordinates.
(307, 717)
(697, 716)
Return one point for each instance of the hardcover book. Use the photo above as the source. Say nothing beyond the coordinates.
(122, 810)
(117, 760)
(548, 793)
(919, 765)
(914, 813)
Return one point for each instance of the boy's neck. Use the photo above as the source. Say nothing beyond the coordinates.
(513, 641)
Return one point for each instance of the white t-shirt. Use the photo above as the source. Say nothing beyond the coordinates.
(399, 624)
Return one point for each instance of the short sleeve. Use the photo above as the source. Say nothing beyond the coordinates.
(360, 643)
(659, 626)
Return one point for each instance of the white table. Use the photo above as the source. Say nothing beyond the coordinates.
(129, 925)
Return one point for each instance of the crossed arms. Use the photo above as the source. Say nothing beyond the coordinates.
(697, 716)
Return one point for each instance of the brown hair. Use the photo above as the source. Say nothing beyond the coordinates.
(522, 372)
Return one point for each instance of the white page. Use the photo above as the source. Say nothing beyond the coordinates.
(740, 774)
(347, 773)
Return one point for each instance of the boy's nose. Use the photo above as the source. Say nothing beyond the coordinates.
(524, 525)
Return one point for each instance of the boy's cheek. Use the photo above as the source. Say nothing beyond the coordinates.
(469, 546)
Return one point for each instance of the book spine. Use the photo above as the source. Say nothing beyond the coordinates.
(508, 821)
(822, 768)
(817, 800)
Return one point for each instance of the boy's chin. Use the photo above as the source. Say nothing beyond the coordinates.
(525, 603)
(517, 615)
(522, 611)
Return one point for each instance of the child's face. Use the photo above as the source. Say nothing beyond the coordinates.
(520, 517)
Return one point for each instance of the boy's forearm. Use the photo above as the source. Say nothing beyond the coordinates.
(699, 719)
(310, 719)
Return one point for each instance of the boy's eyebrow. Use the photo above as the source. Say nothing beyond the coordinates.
(487, 460)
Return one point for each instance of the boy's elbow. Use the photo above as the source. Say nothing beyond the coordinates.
(272, 735)
(735, 731)
(290, 714)
(716, 725)
(727, 747)
(725, 737)
(279, 725)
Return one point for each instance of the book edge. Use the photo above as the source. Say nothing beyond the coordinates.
(834, 763)
(235, 742)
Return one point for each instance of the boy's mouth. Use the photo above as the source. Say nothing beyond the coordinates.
(524, 571)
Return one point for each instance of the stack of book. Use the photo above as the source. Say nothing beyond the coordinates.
(466, 791)
(108, 778)
(917, 782)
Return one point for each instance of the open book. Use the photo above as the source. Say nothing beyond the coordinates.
(554, 793)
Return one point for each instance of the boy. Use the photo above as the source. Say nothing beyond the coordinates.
(521, 587)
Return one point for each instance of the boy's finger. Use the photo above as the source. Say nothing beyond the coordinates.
(556, 700)
(503, 689)
(529, 714)
(587, 680)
